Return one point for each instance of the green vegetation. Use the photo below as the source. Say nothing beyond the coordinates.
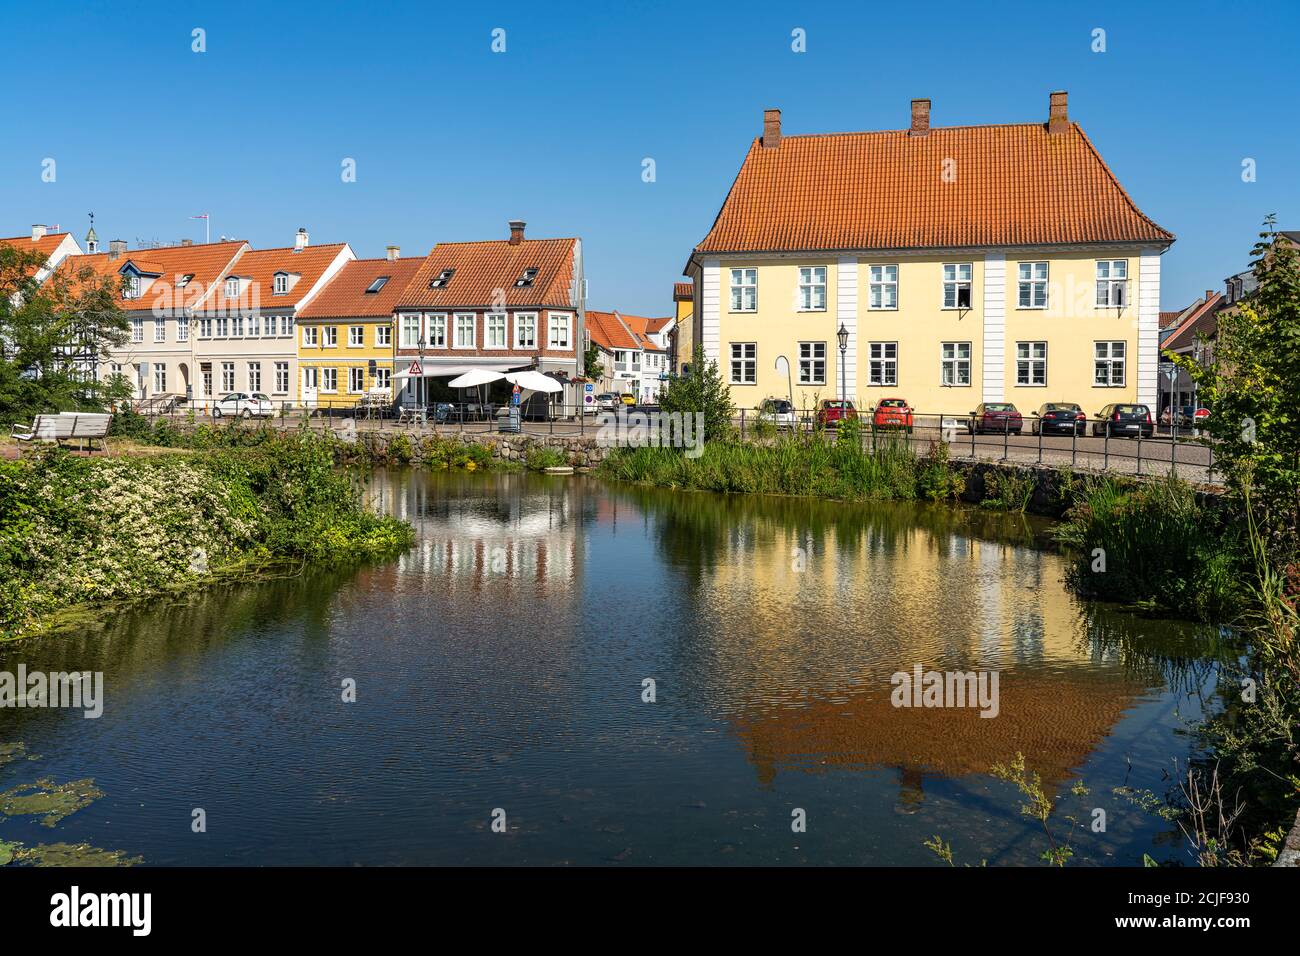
(540, 457)
(702, 390)
(83, 531)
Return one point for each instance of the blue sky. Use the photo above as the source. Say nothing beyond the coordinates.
(451, 140)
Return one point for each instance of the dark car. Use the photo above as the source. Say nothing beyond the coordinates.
(1060, 417)
(1125, 420)
(1000, 417)
(832, 411)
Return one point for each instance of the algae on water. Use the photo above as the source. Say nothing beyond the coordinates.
(54, 801)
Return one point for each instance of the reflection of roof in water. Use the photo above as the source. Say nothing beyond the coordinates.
(1055, 720)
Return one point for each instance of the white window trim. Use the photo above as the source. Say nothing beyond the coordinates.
(438, 319)
(569, 330)
(473, 331)
(380, 329)
(884, 283)
(812, 361)
(731, 360)
(957, 361)
(1111, 283)
(505, 330)
(1031, 282)
(1032, 361)
(957, 284)
(401, 329)
(328, 332)
(323, 376)
(281, 366)
(813, 285)
(884, 363)
(733, 285)
(515, 343)
(312, 332)
(1110, 361)
(357, 345)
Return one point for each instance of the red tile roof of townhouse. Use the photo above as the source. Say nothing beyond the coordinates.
(615, 330)
(655, 325)
(1012, 185)
(683, 291)
(346, 295)
(487, 274)
(45, 244)
(205, 264)
(260, 267)
(1202, 319)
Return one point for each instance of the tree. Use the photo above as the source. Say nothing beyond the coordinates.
(702, 390)
(1252, 387)
(591, 364)
(54, 335)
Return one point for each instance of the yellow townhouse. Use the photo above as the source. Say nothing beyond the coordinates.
(345, 336)
(946, 266)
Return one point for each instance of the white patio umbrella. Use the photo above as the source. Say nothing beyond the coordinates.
(474, 378)
(533, 381)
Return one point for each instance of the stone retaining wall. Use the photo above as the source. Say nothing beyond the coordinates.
(578, 451)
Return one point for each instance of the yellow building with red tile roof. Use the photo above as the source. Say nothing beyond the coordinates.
(966, 264)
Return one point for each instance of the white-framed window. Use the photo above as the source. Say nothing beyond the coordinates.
(223, 326)
(137, 328)
(558, 325)
(882, 287)
(957, 285)
(384, 336)
(494, 330)
(464, 330)
(812, 289)
(1032, 285)
(1031, 363)
(238, 321)
(356, 336)
(159, 378)
(329, 380)
(310, 336)
(281, 283)
(882, 368)
(255, 324)
(160, 329)
(1112, 283)
(281, 378)
(954, 365)
(410, 330)
(525, 330)
(205, 328)
(384, 378)
(744, 363)
(812, 363)
(356, 379)
(205, 373)
(436, 323)
(310, 378)
(132, 288)
(329, 337)
(227, 376)
(1108, 364)
(232, 288)
(254, 376)
(286, 326)
(744, 290)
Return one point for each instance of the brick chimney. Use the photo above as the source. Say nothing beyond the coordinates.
(187, 242)
(1209, 294)
(302, 240)
(394, 252)
(517, 231)
(920, 118)
(38, 232)
(1058, 119)
(771, 129)
(116, 248)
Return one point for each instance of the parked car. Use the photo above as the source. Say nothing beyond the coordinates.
(1122, 419)
(608, 402)
(243, 405)
(892, 413)
(628, 398)
(832, 411)
(1190, 417)
(1060, 417)
(1000, 417)
(779, 412)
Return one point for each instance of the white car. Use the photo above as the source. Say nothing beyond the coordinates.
(243, 405)
(780, 412)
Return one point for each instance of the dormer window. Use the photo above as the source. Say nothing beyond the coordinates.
(378, 284)
(132, 289)
(443, 278)
(232, 288)
(525, 280)
(281, 283)
(183, 281)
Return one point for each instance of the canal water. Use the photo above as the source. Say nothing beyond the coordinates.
(500, 671)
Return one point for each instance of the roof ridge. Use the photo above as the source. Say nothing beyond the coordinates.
(932, 129)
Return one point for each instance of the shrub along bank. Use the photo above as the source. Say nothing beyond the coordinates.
(85, 531)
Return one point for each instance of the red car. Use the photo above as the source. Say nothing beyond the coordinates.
(1000, 417)
(892, 413)
(832, 411)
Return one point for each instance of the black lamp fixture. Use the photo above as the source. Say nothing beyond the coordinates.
(843, 336)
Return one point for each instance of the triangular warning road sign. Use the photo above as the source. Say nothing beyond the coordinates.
(414, 369)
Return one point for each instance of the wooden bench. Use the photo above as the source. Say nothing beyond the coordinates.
(83, 426)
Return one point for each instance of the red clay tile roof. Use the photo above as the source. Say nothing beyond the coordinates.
(1203, 319)
(259, 266)
(683, 290)
(46, 244)
(655, 325)
(346, 296)
(615, 330)
(486, 273)
(207, 263)
(1014, 185)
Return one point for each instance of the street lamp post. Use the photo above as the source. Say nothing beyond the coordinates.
(419, 344)
(843, 336)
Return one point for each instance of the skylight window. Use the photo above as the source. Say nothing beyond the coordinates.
(443, 278)
(378, 284)
(526, 279)
(183, 281)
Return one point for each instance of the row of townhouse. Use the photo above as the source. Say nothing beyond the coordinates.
(310, 324)
(956, 265)
(633, 353)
